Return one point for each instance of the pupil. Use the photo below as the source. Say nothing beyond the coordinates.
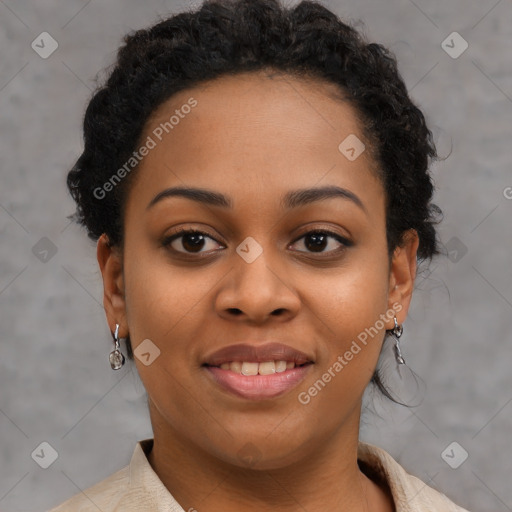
(197, 241)
(318, 241)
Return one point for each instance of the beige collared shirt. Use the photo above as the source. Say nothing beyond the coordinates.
(137, 488)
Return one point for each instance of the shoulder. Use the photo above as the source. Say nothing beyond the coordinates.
(134, 488)
(105, 495)
(409, 492)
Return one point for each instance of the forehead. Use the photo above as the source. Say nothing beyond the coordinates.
(256, 106)
(256, 133)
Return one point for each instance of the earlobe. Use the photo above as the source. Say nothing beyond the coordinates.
(403, 273)
(110, 263)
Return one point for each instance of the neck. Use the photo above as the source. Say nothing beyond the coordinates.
(199, 480)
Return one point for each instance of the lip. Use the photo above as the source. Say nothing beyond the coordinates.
(258, 387)
(257, 353)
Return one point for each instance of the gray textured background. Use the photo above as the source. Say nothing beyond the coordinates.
(55, 381)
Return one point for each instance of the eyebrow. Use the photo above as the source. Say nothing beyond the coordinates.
(292, 199)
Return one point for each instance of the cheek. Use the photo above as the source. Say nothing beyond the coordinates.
(355, 297)
(163, 305)
(166, 304)
(353, 310)
(172, 306)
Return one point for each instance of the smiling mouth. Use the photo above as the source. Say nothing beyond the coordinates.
(254, 380)
(249, 368)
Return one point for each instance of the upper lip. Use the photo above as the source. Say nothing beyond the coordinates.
(257, 353)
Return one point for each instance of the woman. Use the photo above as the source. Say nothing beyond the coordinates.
(256, 178)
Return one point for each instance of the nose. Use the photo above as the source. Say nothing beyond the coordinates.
(254, 292)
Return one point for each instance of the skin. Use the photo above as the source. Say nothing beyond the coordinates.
(253, 138)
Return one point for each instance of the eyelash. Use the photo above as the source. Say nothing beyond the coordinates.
(182, 232)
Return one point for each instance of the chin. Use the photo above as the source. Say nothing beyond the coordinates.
(262, 453)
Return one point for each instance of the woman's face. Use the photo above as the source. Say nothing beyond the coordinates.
(254, 275)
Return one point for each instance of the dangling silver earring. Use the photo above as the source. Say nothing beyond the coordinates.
(396, 332)
(116, 356)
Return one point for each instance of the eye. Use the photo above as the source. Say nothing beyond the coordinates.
(316, 241)
(192, 240)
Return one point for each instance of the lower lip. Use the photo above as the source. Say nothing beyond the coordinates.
(258, 387)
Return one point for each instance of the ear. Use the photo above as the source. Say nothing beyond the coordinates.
(402, 275)
(111, 266)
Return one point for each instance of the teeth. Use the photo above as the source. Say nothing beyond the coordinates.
(235, 367)
(253, 368)
(250, 368)
(281, 366)
(267, 368)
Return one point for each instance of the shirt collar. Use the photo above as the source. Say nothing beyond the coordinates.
(407, 491)
(144, 479)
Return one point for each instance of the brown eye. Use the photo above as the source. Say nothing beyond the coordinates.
(317, 241)
(190, 240)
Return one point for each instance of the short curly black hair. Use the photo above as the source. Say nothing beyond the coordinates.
(223, 37)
